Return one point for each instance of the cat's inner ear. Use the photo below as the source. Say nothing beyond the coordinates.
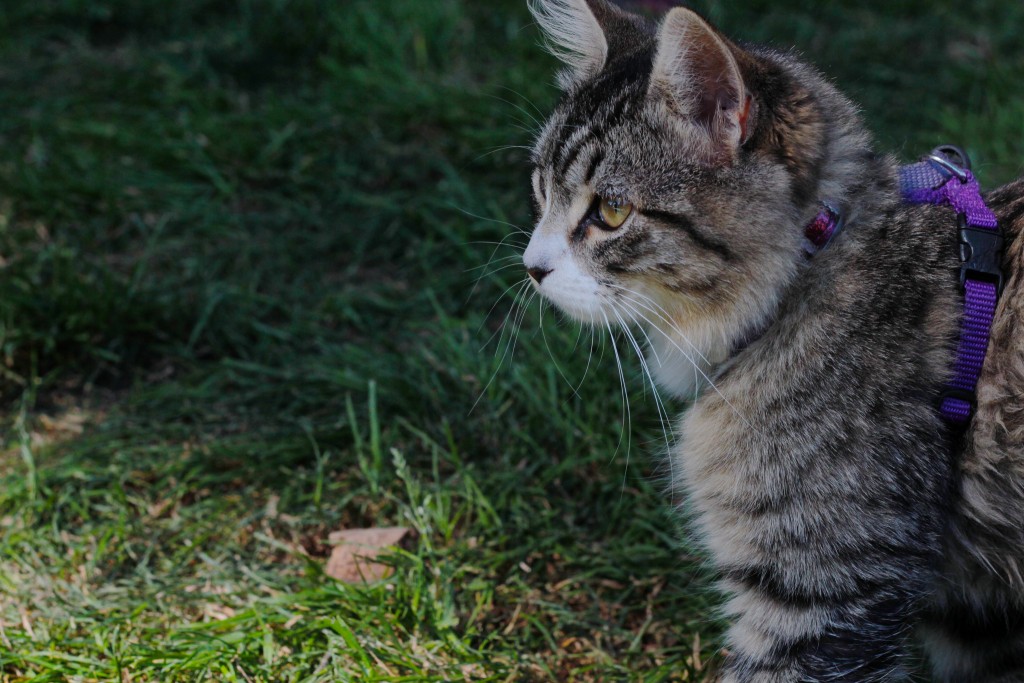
(574, 35)
(697, 74)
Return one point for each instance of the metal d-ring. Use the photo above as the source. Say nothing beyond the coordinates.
(958, 167)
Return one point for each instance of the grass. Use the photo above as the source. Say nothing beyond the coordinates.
(242, 305)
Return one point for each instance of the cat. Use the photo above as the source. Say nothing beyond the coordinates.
(845, 518)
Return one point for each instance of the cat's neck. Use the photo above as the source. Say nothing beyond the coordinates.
(687, 354)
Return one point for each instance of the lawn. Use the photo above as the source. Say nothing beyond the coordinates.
(259, 281)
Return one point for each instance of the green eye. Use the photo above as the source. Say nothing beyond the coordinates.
(614, 212)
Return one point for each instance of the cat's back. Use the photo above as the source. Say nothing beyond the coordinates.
(991, 523)
(999, 423)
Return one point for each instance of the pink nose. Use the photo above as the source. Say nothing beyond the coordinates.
(538, 274)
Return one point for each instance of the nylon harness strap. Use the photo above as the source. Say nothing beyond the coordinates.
(937, 180)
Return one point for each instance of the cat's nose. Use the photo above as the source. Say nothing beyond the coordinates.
(538, 274)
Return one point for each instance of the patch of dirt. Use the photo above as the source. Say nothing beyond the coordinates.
(59, 415)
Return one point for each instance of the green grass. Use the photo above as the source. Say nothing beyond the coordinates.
(239, 241)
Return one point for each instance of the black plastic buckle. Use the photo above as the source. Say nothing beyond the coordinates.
(981, 254)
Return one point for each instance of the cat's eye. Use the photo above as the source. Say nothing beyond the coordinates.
(614, 212)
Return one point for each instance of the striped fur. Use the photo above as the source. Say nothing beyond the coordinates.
(840, 511)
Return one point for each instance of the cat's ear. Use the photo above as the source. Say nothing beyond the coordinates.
(696, 73)
(574, 34)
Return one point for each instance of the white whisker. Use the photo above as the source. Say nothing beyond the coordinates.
(663, 409)
(578, 335)
(627, 427)
(497, 245)
(673, 327)
(527, 100)
(497, 260)
(495, 271)
(498, 301)
(503, 148)
(518, 326)
(663, 417)
(536, 122)
(517, 229)
(590, 357)
(653, 307)
(513, 334)
(544, 336)
(514, 313)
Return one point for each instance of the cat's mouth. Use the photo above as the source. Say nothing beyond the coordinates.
(572, 291)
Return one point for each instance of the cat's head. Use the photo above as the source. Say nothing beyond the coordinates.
(674, 177)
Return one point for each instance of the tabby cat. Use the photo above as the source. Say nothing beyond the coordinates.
(673, 183)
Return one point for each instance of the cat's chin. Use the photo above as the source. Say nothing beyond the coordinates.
(583, 309)
(678, 375)
(576, 294)
(682, 363)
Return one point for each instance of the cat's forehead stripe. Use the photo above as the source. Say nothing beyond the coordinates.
(600, 106)
(595, 160)
(596, 133)
(582, 130)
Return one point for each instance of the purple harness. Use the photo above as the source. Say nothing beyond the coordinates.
(938, 180)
